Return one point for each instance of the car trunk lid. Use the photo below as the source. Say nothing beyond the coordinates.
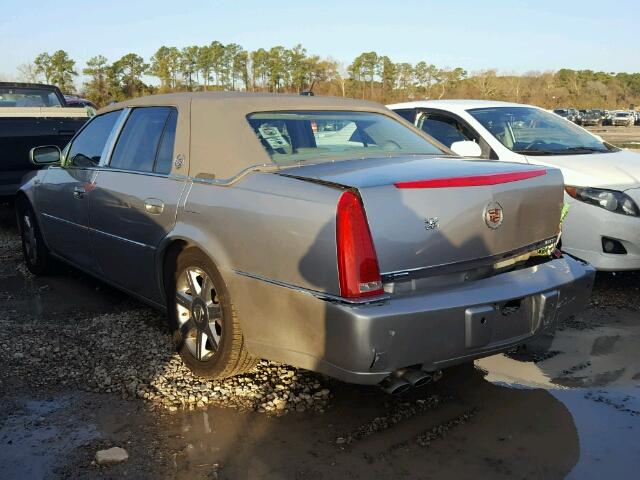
(428, 213)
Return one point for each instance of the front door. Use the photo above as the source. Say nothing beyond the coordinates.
(448, 128)
(135, 200)
(63, 197)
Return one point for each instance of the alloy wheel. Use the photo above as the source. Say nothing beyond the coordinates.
(199, 313)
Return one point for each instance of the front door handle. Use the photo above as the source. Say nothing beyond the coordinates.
(153, 206)
(78, 192)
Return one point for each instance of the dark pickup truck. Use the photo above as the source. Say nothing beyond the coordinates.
(31, 115)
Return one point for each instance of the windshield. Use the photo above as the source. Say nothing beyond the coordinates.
(622, 114)
(531, 131)
(28, 97)
(312, 135)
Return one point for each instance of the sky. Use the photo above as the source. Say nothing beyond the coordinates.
(511, 36)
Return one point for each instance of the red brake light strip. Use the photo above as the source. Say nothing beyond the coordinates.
(472, 181)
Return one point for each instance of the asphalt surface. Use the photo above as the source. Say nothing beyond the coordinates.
(72, 376)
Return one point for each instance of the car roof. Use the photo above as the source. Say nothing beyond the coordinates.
(42, 86)
(220, 141)
(455, 104)
(249, 102)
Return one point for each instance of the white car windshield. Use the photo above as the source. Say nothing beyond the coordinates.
(531, 131)
(302, 136)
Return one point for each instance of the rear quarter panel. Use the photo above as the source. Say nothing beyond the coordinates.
(266, 225)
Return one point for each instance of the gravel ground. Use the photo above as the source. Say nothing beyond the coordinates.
(130, 353)
(86, 368)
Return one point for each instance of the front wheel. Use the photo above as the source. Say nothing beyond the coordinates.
(205, 328)
(35, 252)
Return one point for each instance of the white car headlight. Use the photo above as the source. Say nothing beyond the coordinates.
(612, 200)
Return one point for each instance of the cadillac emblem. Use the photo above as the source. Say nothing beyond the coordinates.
(493, 215)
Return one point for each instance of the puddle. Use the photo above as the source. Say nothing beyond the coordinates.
(608, 425)
(595, 374)
(34, 442)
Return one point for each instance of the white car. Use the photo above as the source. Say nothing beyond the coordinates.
(623, 118)
(602, 182)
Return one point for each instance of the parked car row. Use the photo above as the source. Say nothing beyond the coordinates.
(595, 117)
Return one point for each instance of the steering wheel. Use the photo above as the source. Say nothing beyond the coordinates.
(536, 142)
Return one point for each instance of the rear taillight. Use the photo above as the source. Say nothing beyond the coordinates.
(357, 261)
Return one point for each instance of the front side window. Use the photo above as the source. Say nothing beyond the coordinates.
(86, 149)
(531, 131)
(139, 144)
(316, 135)
(445, 129)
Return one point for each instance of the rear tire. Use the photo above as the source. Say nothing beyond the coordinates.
(35, 252)
(204, 323)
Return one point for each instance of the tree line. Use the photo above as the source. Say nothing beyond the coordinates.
(370, 76)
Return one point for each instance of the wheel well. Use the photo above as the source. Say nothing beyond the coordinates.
(170, 256)
(20, 200)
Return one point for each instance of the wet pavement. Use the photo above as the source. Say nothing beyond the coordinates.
(566, 406)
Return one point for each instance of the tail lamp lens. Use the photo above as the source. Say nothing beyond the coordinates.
(358, 268)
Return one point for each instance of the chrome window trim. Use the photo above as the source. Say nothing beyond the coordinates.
(118, 170)
(320, 295)
(225, 182)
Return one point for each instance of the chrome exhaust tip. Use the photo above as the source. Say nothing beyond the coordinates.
(395, 385)
(417, 378)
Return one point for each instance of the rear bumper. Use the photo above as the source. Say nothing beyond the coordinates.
(365, 343)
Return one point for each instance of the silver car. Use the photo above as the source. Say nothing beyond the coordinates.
(325, 233)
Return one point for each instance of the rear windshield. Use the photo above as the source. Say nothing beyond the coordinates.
(301, 136)
(28, 97)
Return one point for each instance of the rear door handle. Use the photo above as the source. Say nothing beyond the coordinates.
(153, 206)
(78, 192)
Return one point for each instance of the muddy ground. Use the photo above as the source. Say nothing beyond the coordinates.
(568, 405)
(625, 137)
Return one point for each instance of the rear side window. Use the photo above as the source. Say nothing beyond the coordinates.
(165, 152)
(87, 147)
(140, 144)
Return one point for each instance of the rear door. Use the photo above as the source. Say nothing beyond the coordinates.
(134, 202)
(63, 197)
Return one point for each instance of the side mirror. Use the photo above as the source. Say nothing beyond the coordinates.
(47, 155)
(466, 148)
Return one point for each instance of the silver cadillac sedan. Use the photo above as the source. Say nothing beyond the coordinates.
(325, 233)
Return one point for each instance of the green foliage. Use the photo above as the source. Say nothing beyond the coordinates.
(217, 66)
(57, 69)
(97, 88)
